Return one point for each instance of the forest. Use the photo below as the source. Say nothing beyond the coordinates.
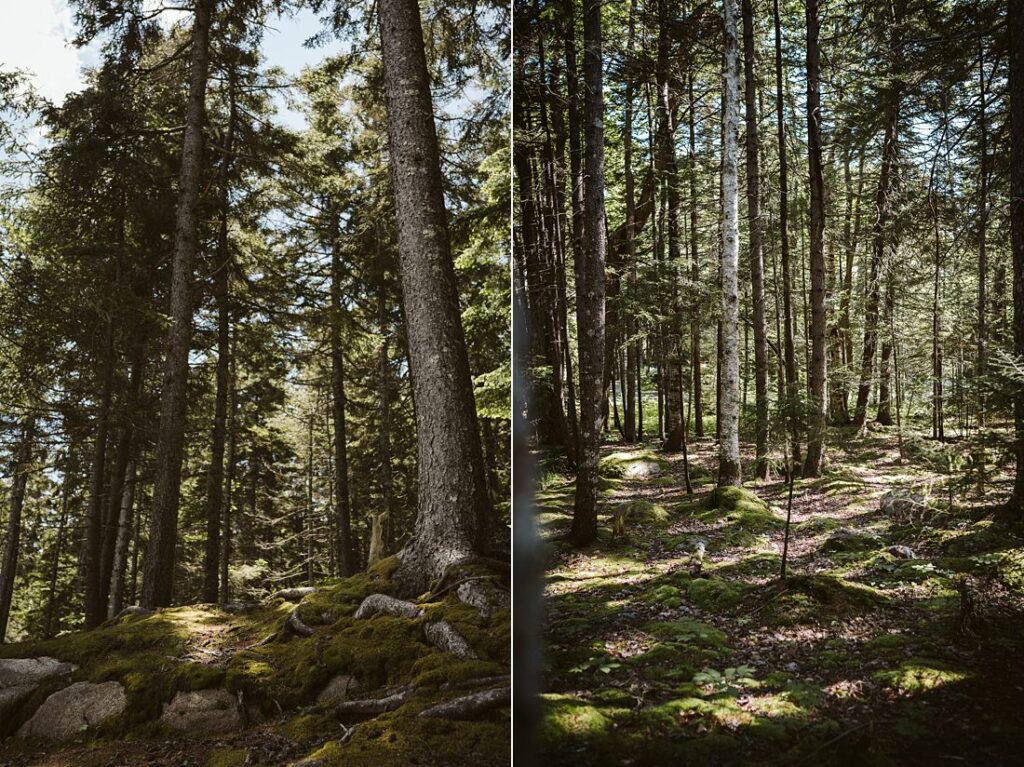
(769, 260)
(254, 390)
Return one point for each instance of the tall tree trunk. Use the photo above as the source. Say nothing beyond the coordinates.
(817, 376)
(229, 481)
(884, 416)
(222, 294)
(982, 231)
(347, 564)
(789, 343)
(756, 254)
(158, 576)
(629, 382)
(729, 443)
(695, 352)
(1015, 36)
(12, 541)
(454, 510)
(94, 612)
(115, 601)
(67, 482)
(883, 211)
(590, 286)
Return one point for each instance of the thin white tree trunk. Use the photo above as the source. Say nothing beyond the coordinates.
(729, 443)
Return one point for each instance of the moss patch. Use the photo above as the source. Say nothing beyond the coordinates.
(919, 675)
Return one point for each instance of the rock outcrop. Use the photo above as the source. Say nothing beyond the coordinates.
(75, 710)
(203, 711)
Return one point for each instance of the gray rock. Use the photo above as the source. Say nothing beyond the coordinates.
(641, 469)
(382, 604)
(15, 672)
(902, 552)
(338, 688)
(203, 711)
(74, 710)
(20, 677)
(446, 638)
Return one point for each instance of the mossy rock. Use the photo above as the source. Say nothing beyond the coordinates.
(666, 595)
(643, 512)
(632, 464)
(740, 507)
(817, 525)
(689, 631)
(228, 757)
(817, 598)
(565, 716)
(851, 541)
(715, 593)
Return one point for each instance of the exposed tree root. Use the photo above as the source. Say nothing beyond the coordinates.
(480, 681)
(468, 706)
(382, 604)
(374, 706)
(130, 610)
(445, 638)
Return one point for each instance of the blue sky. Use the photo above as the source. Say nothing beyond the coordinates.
(35, 36)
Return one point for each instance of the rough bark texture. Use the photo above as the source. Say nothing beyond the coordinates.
(158, 576)
(467, 706)
(756, 255)
(342, 509)
(590, 287)
(94, 612)
(729, 442)
(454, 509)
(695, 352)
(124, 526)
(1015, 34)
(19, 474)
(817, 375)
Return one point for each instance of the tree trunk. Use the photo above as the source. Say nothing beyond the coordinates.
(789, 343)
(982, 231)
(229, 482)
(454, 510)
(590, 286)
(883, 209)
(158, 575)
(818, 372)
(342, 509)
(698, 384)
(1015, 36)
(12, 541)
(119, 564)
(94, 515)
(58, 544)
(756, 255)
(729, 443)
(628, 380)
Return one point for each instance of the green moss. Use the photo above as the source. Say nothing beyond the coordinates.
(618, 464)
(714, 593)
(1011, 569)
(689, 631)
(846, 541)
(741, 508)
(228, 757)
(565, 716)
(919, 675)
(666, 595)
(817, 525)
(642, 512)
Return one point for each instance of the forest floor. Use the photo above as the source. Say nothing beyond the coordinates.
(860, 657)
(289, 690)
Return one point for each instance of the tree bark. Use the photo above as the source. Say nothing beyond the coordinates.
(756, 254)
(1015, 36)
(590, 284)
(695, 351)
(729, 444)
(818, 374)
(12, 541)
(94, 612)
(342, 508)
(158, 574)
(982, 231)
(789, 343)
(454, 510)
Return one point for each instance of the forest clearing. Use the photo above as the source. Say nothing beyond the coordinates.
(895, 639)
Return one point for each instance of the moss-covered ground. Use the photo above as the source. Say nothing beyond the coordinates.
(857, 658)
(200, 647)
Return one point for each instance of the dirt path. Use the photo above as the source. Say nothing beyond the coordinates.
(858, 659)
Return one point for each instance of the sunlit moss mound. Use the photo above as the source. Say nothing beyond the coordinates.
(920, 675)
(819, 598)
(642, 512)
(739, 507)
(638, 464)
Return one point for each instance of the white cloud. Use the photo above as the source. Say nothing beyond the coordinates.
(36, 36)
